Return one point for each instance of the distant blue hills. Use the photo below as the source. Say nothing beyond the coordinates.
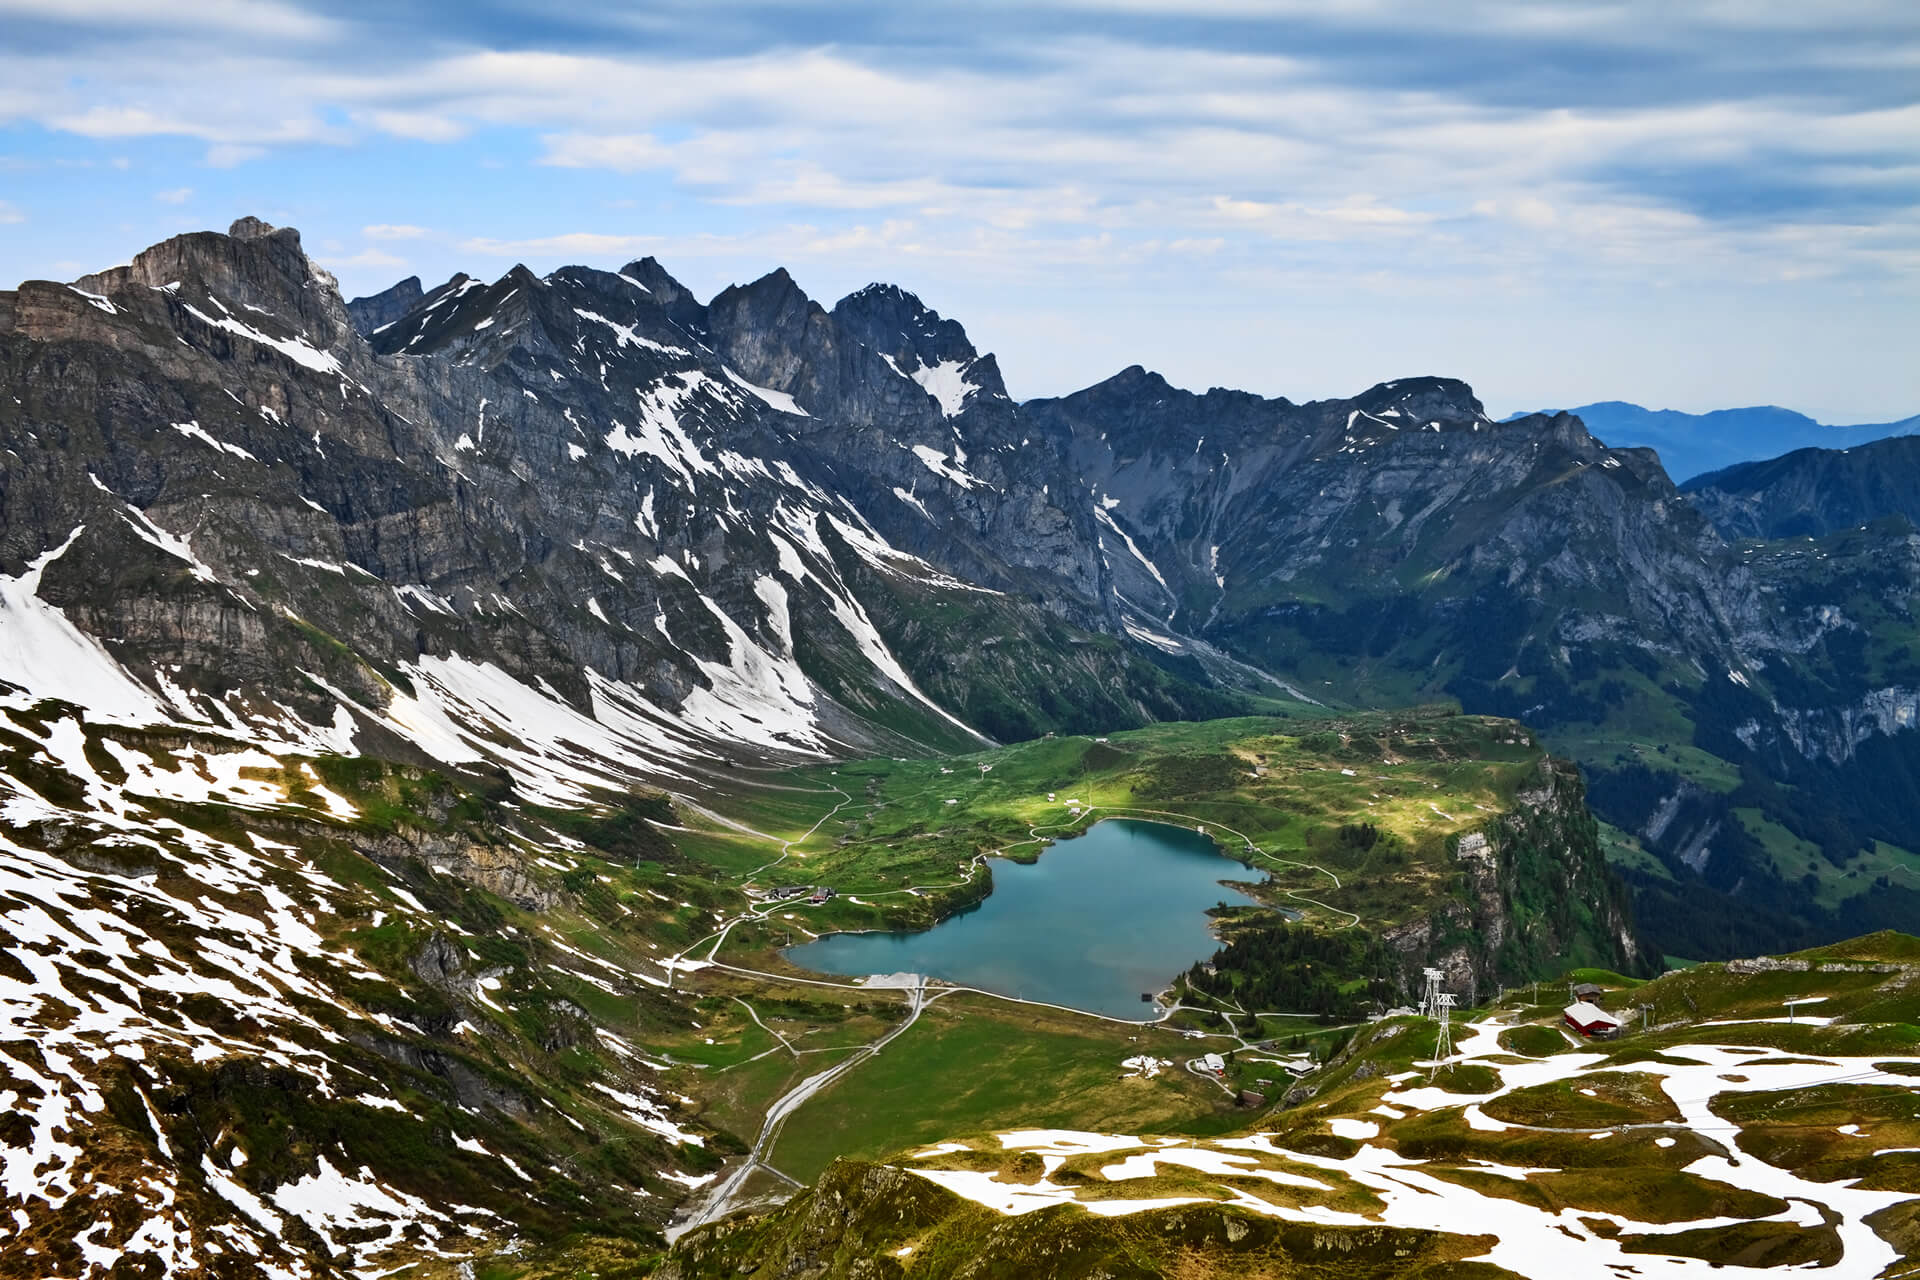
(1690, 444)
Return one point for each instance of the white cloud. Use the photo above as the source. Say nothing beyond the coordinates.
(815, 187)
(229, 155)
(10, 213)
(175, 195)
(419, 126)
(121, 122)
(584, 244)
(365, 258)
(622, 152)
(240, 17)
(393, 231)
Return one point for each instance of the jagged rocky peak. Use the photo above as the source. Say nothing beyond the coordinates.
(1134, 386)
(1447, 402)
(896, 323)
(685, 310)
(773, 335)
(376, 311)
(1137, 413)
(255, 264)
(775, 302)
(462, 313)
(1137, 384)
(921, 344)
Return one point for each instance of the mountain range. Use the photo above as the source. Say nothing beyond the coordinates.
(1691, 444)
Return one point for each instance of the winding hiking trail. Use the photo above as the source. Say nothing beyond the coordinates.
(756, 911)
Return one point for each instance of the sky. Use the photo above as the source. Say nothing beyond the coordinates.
(1686, 205)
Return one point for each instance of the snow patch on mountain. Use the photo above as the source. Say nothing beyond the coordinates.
(1100, 514)
(659, 434)
(46, 656)
(937, 462)
(846, 608)
(296, 349)
(777, 399)
(194, 431)
(947, 383)
(625, 336)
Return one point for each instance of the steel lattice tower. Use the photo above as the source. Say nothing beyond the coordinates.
(1428, 997)
(1443, 1041)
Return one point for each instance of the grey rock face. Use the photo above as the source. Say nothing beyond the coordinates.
(1813, 492)
(374, 313)
(586, 485)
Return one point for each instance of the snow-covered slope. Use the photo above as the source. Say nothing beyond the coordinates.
(260, 1015)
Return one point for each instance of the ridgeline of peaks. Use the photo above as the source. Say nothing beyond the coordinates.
(1813, 492)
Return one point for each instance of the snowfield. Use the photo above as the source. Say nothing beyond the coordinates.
(1413, 1193)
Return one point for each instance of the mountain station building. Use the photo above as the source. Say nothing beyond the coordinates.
(1591, 1021)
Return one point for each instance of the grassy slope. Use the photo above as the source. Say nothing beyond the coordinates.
(1285, 785)
(972, 1063)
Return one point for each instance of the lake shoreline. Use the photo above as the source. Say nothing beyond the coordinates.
(1075, 933)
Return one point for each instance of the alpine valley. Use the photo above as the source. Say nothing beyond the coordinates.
(427, 720)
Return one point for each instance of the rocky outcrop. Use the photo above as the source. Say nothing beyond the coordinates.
(1535, 896)
(374, 313)
(498, 868)
(1835, 733)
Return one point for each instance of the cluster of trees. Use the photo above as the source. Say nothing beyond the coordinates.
(1295, 969)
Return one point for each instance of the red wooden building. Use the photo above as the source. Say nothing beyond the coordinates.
(1591, 1020)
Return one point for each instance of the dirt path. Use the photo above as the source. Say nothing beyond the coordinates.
(720, 1201)
(757, 911)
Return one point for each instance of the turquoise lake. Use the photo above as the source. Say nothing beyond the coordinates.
(1098, 920)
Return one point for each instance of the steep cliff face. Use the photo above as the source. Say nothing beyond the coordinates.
(1396, 542)
(1534, 896)
(372, 314)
